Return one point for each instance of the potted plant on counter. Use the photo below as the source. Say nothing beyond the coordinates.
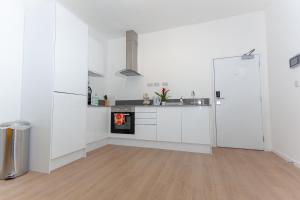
(163, 96)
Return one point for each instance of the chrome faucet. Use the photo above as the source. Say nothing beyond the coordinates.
(193, 94)
(181, 100)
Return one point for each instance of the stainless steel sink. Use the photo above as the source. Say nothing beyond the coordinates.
(190, 102)
(174, 104)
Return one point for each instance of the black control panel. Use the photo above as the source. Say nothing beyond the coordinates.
(295, 61)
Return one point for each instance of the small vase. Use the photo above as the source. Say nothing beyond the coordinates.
(163, 103)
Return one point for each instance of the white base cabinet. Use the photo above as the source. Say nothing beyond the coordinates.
(188, 125)
(169, 124)
(195, 125)
(97, 124)
(145, 123)
(68, 124)
(145, 132)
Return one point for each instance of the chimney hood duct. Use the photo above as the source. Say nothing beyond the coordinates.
(131, 54)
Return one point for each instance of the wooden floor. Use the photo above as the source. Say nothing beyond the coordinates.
(115, 172)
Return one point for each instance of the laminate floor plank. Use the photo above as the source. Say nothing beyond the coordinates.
(131, 173)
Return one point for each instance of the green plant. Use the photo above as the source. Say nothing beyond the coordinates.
(163, 95)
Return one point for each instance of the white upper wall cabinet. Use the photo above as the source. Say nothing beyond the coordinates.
(71, 53)
(96, 57)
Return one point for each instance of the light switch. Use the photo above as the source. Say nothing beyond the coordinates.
(297, 84)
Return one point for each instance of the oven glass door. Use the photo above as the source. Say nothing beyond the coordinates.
(122, 122)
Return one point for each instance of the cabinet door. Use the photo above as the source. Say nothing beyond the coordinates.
(195, 125)
(71, 53)
(97, 124)
(68, 124)
(96, 56)
(169, 124)
(145, 132)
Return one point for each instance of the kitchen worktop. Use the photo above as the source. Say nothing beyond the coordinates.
(205, 102)
(100, 106)
(184, 105)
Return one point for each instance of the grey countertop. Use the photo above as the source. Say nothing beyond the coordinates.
(91, 106)
(151, 105)
(202, 102)
(184, 105)
(171, 103)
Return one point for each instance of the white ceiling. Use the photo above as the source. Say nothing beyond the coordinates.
(114, 17)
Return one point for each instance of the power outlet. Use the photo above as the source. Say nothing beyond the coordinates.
(149, 84)
(165, 84)
(156, 84)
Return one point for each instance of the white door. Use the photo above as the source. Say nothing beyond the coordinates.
(238, 103)
(71, 53)
(68, 124)
(169, 124)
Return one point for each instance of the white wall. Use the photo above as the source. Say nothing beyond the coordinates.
(11, 50)
(183, 58)
(175, 54)
(283, 33)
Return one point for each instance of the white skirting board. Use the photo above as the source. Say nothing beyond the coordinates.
(287, 158)
(195, 148)
(96, 145)
(67, 159)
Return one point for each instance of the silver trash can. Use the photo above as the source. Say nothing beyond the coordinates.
(14, 149)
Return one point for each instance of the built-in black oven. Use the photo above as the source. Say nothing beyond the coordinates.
(122, 120)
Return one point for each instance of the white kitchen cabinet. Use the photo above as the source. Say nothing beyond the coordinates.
(144, 115)
(169, 124)
(97, 123)
(69, 124)
(54, 71)
(145, 109)
(145, 132)
(71, 53)
(96, 57)
(195, 125)
(145, 123)
(182, 128)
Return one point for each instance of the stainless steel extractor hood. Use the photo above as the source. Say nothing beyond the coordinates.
(131, 54)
